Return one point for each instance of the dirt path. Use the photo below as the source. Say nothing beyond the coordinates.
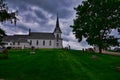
(111, 53)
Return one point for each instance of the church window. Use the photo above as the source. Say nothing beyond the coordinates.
(43, 43)
(57, 40)
(30, 42)
(57, 44)
(18, 43)
(37, 42)
(50, 42)
(13, 43)
(57, 35)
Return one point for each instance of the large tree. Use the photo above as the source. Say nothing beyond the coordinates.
(2, 34)
(5, 15)
(95, 20)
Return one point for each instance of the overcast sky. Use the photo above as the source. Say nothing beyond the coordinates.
(40, 16)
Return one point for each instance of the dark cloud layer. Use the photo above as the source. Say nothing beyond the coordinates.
(40, 16)
(54, 6)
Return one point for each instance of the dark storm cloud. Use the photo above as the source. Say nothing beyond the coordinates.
(19, 27)
(54, 6)
(63, 7)
(40, 16)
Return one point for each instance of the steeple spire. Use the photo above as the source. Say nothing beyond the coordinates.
(57, 28)
(29, 31)
(57, 22)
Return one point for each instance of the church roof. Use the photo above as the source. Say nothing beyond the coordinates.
(33, 35)
(39, 35)
(15, 38)
(7, 38)
(22, 40)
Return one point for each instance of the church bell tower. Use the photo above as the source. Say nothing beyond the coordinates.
(57, 32)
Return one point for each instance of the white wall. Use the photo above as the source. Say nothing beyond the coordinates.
(21, 45)
(40, 43)
(59, 43)
(7, 44)
(59, 34)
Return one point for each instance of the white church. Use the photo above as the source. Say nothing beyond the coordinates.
(36, 39)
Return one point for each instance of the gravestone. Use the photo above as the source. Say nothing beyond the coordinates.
(32, 50)
(94, 57)
(5, 52)
(118, 68)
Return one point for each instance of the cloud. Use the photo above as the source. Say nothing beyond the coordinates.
(115, 33)
(40, 16)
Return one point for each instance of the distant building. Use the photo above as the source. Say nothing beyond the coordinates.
(36, 39)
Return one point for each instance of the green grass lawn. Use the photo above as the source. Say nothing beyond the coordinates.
(52, 64)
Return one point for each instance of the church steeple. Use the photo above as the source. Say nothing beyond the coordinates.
(57, 33)
(29, 31)
(57, 28)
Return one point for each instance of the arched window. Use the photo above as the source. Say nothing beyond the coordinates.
(57, 35)
(37, 42)
(43, 43)
(57, 40)
(18, 43)
(57, 44)
(50, 42)
(30, 42)
(13, 43)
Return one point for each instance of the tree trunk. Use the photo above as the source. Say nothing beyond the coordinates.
(100, 49)
(100, 43)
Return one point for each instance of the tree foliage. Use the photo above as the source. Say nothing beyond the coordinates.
(95, 20)
(2, 34)
(5, 15)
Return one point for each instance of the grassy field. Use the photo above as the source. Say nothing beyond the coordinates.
(54, 64)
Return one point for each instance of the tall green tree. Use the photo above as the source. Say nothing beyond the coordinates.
(5, 15)
(2, 34)
(95, 20)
